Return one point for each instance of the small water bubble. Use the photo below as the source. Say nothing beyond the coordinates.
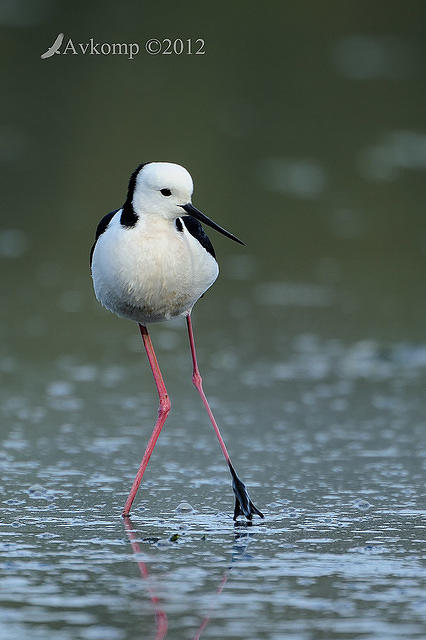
(184, 507)
(362, 505)
(35, 488)
(38, 492)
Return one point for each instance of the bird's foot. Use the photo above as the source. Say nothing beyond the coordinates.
(243, 505)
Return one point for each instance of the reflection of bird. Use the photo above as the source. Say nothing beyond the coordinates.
(54, 48)
(239, 553)
(151, 262)
(160, 614)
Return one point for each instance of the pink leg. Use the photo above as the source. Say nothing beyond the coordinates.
(163, 412)
(198, 384)
(243, 504)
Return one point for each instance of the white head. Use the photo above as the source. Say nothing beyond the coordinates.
(160, 188)
(163, 189)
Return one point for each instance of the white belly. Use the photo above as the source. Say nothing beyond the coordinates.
(150, 272)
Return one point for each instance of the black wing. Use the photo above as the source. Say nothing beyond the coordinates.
(195, 229)
(100, 229)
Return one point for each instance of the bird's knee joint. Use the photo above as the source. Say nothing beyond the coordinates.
(165, 405)
(197, 380)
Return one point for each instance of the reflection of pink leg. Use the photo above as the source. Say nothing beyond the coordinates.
(163, 411)
(243, 504)
(208, 616)
(160, 615)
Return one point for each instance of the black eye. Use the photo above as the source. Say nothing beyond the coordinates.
(166, 192)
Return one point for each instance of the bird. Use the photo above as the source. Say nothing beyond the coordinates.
(151, 261)
(54, 48)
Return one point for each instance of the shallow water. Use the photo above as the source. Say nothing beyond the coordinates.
(336, 464)
(309, 143)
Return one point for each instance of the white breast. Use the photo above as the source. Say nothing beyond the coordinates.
(152, 271)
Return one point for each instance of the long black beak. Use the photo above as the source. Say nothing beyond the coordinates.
(192, 211)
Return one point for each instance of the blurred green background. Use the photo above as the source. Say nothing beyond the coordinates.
(303, 126)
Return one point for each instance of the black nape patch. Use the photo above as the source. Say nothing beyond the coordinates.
(128, 216)
(196, 230)
(179, 225)
(102, 226)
